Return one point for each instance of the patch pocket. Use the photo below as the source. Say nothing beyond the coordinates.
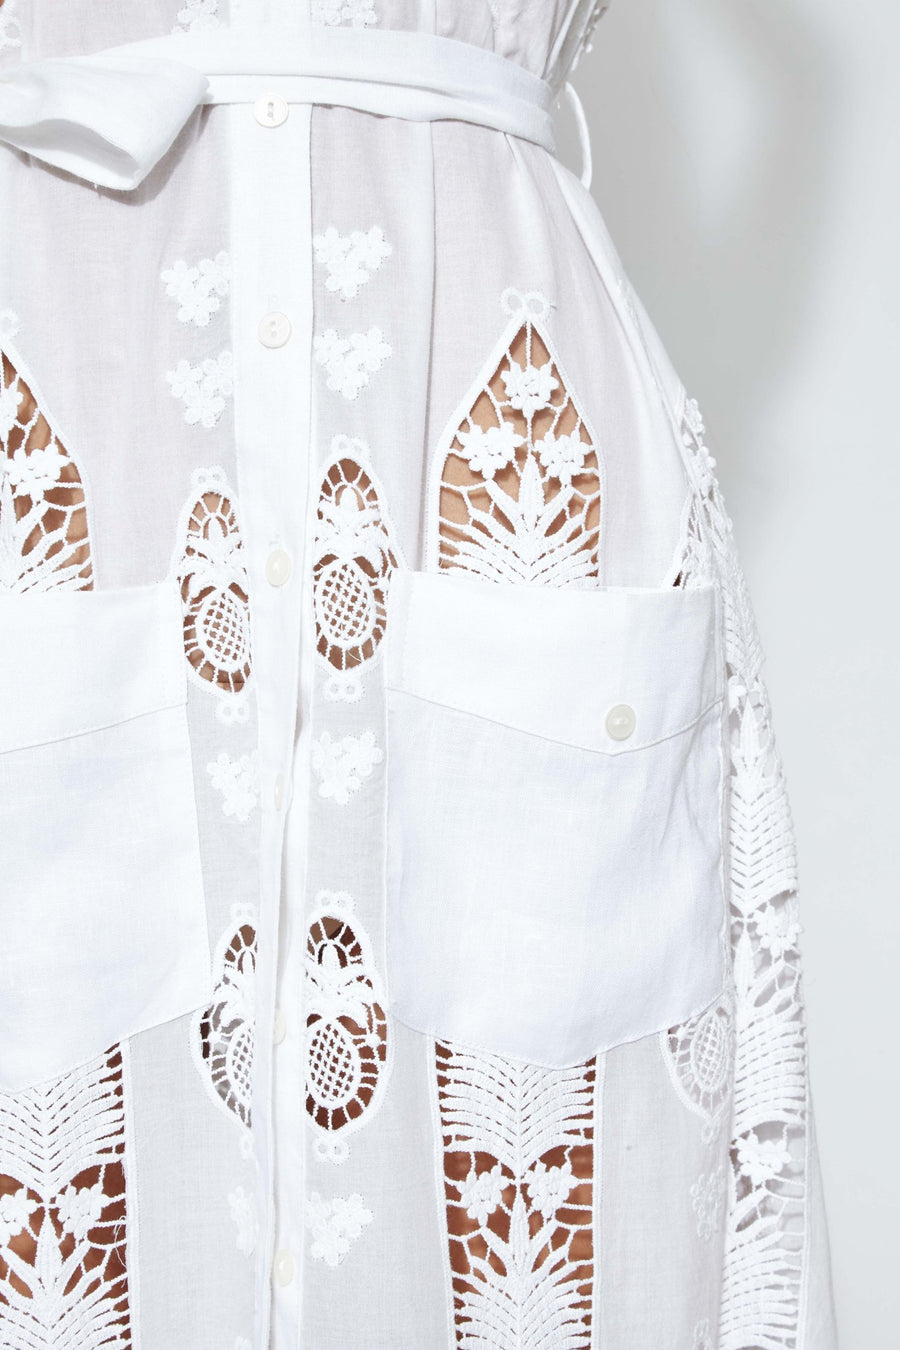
(102, 909)
(554, 863)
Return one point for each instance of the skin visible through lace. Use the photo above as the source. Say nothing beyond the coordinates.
(226, 1029)
(216, 630)
(519, 501)
(43, 517)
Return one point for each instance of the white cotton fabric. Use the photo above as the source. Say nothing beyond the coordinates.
(357, 988)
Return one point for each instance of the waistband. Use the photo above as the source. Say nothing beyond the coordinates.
(110, 116)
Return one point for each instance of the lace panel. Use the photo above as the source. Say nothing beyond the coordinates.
(348, 1051)
(518, 1180)
(520, 474)
(518, 500)
(214, 588)
(354, 557)
(767, 1196)
(63, 1221)
(43, 514)
(223, 1033)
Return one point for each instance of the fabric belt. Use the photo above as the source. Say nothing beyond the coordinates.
(109, 117)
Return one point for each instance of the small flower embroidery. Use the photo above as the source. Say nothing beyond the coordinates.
(333, 13)
(9, 324)
(238, 782)
(10, 32)
(762, 1159)
(243, 1214)
(80, 1210)
(350, 259)
(707, 1194)
(482, 1194)
(702, 1337)
(197, 15)
(350, 361)
(335, 1224)
(529, 388)
(38, 470)
(15, 1212)
(562, 456)
(779, 927)
(203, 389)
(489, 448)
(10, 399)
(343, 764)
(548, 1186)
(198, 290)
(693, 419)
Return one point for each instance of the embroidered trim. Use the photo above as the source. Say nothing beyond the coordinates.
(355, 554)
(348, 1052)
(699, 1055)
(520, 475)
(222, 1035)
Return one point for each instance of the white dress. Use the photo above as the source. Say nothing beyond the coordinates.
(397, 885)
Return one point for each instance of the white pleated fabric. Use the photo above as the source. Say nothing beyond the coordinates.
(397, 882)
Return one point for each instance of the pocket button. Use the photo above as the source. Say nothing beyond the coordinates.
(620, 722)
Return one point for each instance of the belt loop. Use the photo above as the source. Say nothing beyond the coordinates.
(584, 134)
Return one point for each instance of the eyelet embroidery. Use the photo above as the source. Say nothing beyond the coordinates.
(222, 1035)
(44, 542)
(699, 1055)
(355, 554)
(348, 1051)
(214, 588)
(519, 496)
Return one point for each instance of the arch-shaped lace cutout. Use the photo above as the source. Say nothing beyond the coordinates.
(63, 1217)
(766, 1220)
(520, 473)
(222, 1034)
(44, 540)
(518, 1143)
(355, 554)
(214, 589)
(348, 1049)
(699, 1055)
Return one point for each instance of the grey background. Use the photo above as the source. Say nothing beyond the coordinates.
(746, 160)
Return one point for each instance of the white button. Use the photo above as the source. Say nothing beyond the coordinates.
(278, 791)
(271, 110)
(279, 1027)
(283, 1267)
(274, 329)
(620, 722)
(278, 567)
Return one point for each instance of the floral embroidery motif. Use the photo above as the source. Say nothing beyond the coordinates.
(199, 290)
(10, 28)
(64, 1232)
(702, 1337)
(354, 557)
(44, 540)
(203, 389)
(214, 590)
(350, 259)
(519, 496)
(766, 1216)
(333, 13)
(197, 15)
(343, 764)
(243, 1212)
(517, 1147)
(350, 361)
(347, 1052)
(699, 1054)
(707, 1195)
(335, 1224)
(238, 782)
(222, 1035)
